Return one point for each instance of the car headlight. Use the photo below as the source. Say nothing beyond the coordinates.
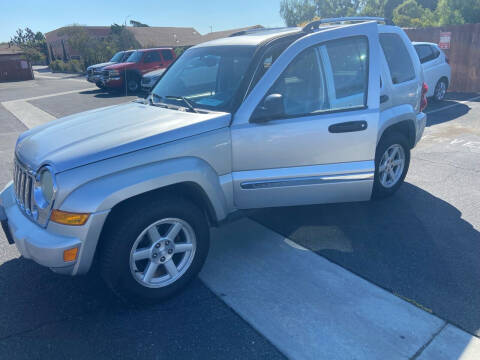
(44, 188)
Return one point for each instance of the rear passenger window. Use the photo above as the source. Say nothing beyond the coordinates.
(398, 58)
(348, 61)
(167, 55)
(424, 53)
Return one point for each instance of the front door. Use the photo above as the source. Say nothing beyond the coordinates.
(321, 147)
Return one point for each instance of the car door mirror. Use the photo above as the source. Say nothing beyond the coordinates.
(271, 108)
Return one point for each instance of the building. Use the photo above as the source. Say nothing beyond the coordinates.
(13, 65)
(147, 37)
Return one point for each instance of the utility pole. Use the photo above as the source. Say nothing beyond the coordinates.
(211, 28)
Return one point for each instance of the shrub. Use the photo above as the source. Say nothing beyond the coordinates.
(72, 66)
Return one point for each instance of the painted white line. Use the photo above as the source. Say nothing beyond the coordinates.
(308, 307)
(57, 94)
(452, 343)
(452, 105)
(39, 76)
(27, 113)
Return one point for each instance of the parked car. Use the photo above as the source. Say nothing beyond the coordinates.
(94, 72)
(150, 79)
(138, 63)
(436, 69)
(273, 117)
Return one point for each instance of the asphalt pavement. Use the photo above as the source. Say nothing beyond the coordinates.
(421, 247)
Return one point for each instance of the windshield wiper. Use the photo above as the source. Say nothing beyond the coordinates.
(185, 100)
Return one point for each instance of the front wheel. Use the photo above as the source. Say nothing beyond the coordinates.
(153, 252)
(392, 160)
(133, 83)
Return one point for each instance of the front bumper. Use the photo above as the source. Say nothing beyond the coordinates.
(96, 78)
(46, 246)
(420, 123)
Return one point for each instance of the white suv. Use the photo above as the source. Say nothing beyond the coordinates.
(274, 117)
(436, 69)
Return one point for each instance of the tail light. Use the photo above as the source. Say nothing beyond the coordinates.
(423, 101)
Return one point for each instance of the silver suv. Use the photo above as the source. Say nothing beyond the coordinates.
(273, 117)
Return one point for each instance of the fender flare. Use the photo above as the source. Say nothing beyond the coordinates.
(102, 194)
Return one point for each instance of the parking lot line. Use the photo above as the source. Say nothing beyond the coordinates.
(308, 307)
(452, 105)
(27, 113)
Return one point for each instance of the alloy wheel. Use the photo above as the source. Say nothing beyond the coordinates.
(391, 166)
(163, 252)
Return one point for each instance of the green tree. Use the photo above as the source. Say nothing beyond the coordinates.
(411, 14)
(296, 12)
(469, 10)
(33, 44)
(137, 24)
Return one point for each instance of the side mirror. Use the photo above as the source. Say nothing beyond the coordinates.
(271, 108)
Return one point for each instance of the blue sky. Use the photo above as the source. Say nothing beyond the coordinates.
(47, 15)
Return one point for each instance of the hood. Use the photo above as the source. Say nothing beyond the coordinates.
(96, 66)
(103, 133)
(154, 73)
(120, 66)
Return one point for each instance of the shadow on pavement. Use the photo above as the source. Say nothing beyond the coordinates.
(413, 244)
(44, 315)
(437, 114)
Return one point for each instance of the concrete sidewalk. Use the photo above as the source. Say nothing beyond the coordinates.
(310, 308)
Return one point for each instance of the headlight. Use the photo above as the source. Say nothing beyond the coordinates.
(44, 188)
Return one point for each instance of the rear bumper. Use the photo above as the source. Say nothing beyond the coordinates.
(420, 123)
(46, 246)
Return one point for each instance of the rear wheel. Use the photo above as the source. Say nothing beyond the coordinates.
(392, 160)
(154, 252)
(440, 90)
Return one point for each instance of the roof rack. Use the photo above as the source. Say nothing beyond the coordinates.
(254, 30)
(315, 25)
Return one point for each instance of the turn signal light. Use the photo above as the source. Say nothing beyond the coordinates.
(424, 101)
(70, 255)
(69, 218)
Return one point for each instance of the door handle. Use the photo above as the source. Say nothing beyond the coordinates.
(383, 99)
(349, 126)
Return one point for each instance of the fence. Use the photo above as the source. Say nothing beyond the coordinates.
(464, 53)
(15, 70)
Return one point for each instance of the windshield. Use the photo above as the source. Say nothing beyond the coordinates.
(208, 77)
(135, 57)
(117, 57)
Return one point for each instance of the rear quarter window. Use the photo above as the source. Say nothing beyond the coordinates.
(398, 58)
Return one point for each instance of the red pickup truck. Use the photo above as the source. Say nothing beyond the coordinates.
(127, 76)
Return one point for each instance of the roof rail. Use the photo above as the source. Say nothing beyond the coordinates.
(253, 30)
(314, 25)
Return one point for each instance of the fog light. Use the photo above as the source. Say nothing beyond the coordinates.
(69, 218)
(70, 255)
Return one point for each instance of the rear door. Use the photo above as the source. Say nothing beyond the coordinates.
(322, 148)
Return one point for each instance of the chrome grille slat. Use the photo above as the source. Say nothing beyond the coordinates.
(23, 182)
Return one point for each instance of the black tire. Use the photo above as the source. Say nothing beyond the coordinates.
(133, 83)
(100, 85)
(118, 240)
(440, 90)
(386, 142)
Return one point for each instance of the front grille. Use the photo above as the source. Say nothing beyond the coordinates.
(23, 181)
(105, 74)
(97, 71)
